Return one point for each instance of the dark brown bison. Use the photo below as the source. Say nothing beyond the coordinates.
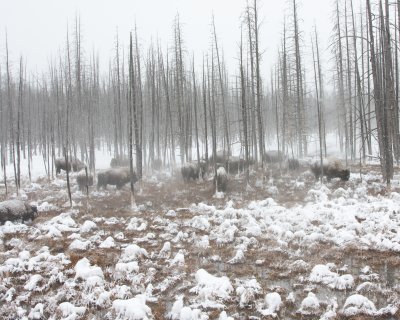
(293, 164)
(331, 168)
(75, 163)
(122, 161)
(16, 210)
(273, 156)
(82, 181)
(236, 164)
(115, 176)
(192, 170)
(222, 179)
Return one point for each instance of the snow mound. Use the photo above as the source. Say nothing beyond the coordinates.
(171, 213)
(210, 287)
(165, 251)
(219, 195)
(69, 310)
(200, 222)
(318, 195)
(132, 309)
(88, 226)
(358, 304)
(36, 312)
(79, 245)
(180, 312)
(124, 270)
(247, 291)
(84, 270)
(174, 314)
(223, 316)
(108, 243)
(136, 224)
(273, 302)
(133, 252)
(178, 260)
(45, 206)
(203, 243)
(188, 313)
(310, 305)
(33, 282)
(238, 258)
(323, 274)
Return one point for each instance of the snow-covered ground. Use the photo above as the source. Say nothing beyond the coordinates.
(286, 247)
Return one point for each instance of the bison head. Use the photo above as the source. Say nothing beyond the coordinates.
(345, 175)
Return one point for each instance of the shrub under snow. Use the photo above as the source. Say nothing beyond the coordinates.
(209, 287)
(133, 309)
(84, 270)
(358, 304)
(310, 305)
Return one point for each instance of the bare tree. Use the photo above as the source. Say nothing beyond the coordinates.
(195, 117)
(316, 66)
(132, 118)
(68, 90)
(139, 114)
(244, 112)
(222, 88)
(205, 114)
(386, 156)
(258, 84)
(302, 139)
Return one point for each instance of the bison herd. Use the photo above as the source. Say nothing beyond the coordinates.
(119, 174)
(225, 165)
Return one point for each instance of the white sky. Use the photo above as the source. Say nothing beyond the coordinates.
(37, 28)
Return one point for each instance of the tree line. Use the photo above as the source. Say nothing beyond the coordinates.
(153, 104)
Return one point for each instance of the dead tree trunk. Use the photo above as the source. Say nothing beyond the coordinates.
(221, 83)
(139, 115)
(383, 139)
(244, 113)
(195, 118)
(131, 119)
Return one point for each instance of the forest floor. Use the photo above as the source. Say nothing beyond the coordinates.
(285, 246)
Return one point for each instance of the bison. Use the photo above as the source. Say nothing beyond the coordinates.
(16, 210)
(192, 170)
(222, 179)
(236, 164)
(122, 161)
(115, 176)
(331, 168)
(293, 164)
(83, 181)
(75, 163)
(274, 156)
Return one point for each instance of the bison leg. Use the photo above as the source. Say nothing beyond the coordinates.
(99, 185)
